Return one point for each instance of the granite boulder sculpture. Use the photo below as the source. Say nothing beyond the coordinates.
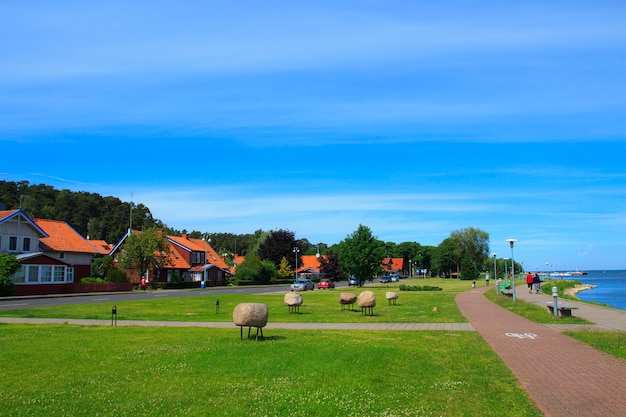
(250, 315)
(367, 302)
(293, 300)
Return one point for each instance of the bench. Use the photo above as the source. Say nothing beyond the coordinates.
(508, 293)
(565, 310)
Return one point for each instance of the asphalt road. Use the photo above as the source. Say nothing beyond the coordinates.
(13, 303)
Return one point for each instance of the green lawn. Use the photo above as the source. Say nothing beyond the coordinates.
(531, 311)
(320, 306)
(64, 370)
(613, 343)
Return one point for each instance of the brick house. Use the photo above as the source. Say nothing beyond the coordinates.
(189, 260)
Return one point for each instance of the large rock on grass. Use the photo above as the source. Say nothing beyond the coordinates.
(366, 299)
(346, 298)
(293, 299)
(250, 315)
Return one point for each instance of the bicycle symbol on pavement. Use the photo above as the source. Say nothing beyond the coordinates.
(522, 335)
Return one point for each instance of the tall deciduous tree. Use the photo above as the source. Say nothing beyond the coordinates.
(278, 245)
(361, 254)
(330, 267)
(144, 249)
(473, 242)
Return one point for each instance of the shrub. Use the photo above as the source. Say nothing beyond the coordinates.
(92, 280)
(404, 287)
(117, 274)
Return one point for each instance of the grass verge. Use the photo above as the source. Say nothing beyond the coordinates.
(613, 343)
(118, 371)
(530, 311)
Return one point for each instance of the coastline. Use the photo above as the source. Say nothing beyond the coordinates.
(578, 288)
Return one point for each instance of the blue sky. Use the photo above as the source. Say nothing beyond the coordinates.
(414, 118)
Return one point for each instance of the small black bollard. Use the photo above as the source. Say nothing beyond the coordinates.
(217, 306)
(114, 316)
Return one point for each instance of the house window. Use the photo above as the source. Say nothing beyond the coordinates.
(69, 274)
(26, 244)
(61, 255)
(32, 273)
(19, 276)
(46, 273)
(59, 273)
(12, 243)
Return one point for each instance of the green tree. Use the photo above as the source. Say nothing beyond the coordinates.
(285, 271)
(361, 254)
(253, 269)
(144, 249)
(444, 258)
(469, 270)
(473, 242)
(100, 267)
(9, 265)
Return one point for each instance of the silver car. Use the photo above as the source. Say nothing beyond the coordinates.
(303, 285)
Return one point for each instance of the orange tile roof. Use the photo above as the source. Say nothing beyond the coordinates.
(309, 262)
(63, 238)
(101, 246)
(199, 245)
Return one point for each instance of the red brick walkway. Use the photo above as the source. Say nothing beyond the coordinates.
(562, 376)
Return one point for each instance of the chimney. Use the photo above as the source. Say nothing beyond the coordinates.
(185, 236)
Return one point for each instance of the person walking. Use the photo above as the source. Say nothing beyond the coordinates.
(529, 282)
(144, 284)
(537, 283)
(487, 279)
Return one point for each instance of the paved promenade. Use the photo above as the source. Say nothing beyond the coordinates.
(562, 376)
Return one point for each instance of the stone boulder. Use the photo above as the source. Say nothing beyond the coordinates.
(346, 298)
(367, 299)
(391, 297)
(293, 299)
(250, 315)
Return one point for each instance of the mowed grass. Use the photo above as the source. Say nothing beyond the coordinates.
(64, 370)
(320, 306)
(613, 343)
(530, 311)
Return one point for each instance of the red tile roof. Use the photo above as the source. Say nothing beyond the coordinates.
(101, 246)
(62, 238)
(309, 262)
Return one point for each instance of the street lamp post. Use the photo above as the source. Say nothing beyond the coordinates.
(410, 268)
(495, 271)
(512, 242)
(296, 250)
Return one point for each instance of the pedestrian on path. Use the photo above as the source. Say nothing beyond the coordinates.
(487, 279)
(529, 282)
(537, 283)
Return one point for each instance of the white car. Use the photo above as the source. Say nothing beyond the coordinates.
(303, 285)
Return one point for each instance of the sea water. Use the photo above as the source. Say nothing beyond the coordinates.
(610, 288)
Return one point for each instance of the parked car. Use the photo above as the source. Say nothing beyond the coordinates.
(325, 284)
(385, 279)
(303, 285)
(395, 278)
(353, 282)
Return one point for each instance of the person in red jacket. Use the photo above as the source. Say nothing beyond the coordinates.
(529, 282)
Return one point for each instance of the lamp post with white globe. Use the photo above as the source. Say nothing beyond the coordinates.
(512, 242)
